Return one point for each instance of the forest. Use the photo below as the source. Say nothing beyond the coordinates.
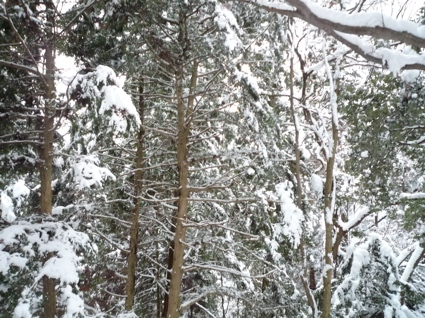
(212, 158)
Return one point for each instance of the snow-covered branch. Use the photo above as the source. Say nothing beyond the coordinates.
(417, 254)
(347, 27)
(413, 196)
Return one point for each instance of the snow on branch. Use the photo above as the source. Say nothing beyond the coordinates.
(292, 218)
(347, 27)
(413, 196)
(88, 173)
(355, 219)
(24, 245)
(394, 60)
(103, 84)
(375, 24)
(19, 191)
(417, 254)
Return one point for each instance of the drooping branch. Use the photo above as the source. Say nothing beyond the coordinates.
(347, 27)
(375, 24)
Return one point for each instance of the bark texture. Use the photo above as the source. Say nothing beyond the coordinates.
(180, 230)
(184, 113)
(329, 185)
(134, 230)
(46, 153)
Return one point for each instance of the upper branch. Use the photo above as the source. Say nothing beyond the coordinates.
(375, 24)
(347, 27)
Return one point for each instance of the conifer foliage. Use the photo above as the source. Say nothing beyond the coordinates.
(206, 158)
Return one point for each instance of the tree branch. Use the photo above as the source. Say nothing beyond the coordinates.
(342, 24)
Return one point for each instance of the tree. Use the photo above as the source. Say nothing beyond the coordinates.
(41, 24)
(256, 142)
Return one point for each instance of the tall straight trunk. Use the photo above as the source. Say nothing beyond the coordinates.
(329, 193)
(169, 269)
(183, 118)
(182, 205)
(329, 188)
(158, 289)
(134, 230)
(46, 153)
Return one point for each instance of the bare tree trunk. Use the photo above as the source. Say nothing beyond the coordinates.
(169, 269)
(304, 275)
(134, 230)
(158, 289)
(329, 193)
(180, 230)
(49, 293)
(329, 188)
(184, 114)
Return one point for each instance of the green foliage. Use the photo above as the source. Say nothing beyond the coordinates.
(372, 110)
(369, 281)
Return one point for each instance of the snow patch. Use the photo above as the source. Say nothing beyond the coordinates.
(6, 206)
(317, 184)
(293, 217)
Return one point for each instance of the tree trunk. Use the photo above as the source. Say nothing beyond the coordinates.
(169, 269)
(180, 230)
(158, 289)
(329, 188)
(183, 118)
(46, 153)
(134, 230)
(304, 274)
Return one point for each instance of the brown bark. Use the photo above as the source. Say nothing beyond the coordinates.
(134, 230)
(304, 275)
(180, 230)
(49, 297)
(49, 292)
(327, 279)
(169, 267)
(183, 115)
(312, 282)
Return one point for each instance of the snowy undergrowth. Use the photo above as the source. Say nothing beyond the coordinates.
(370, 283)
(30, 250)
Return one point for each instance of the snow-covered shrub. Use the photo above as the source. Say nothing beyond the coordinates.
(369, 283)
(30, 250)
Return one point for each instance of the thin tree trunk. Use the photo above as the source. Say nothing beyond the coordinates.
(169, 269)
(304, 275)
(327, 279)
(49, 292)
(158, 289)
(183, 119)
(134, 230)
(328, 216)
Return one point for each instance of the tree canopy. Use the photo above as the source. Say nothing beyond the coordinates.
(206, 158)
